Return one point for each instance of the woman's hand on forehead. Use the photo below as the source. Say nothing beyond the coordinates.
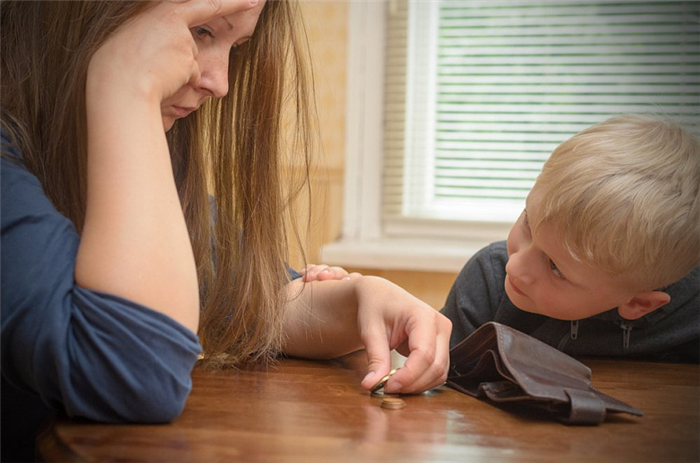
(197, 12)
(155, 54)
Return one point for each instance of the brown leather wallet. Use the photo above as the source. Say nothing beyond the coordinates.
(505, 366)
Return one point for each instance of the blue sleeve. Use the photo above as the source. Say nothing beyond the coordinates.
(91, 354)
(293, 274)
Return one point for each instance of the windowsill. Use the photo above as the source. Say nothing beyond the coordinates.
(400, 254)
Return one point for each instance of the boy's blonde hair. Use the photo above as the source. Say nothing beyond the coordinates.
(625, 196)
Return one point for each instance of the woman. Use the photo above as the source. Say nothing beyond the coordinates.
(120, 121)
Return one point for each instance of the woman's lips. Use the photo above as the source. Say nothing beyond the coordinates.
(182, 112)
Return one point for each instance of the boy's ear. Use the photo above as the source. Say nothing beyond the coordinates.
(642, 304)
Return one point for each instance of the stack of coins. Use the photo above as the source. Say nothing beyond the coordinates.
(392, 403)
(389, 401)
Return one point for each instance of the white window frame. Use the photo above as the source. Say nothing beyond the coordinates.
(377, 233)
(366, 242)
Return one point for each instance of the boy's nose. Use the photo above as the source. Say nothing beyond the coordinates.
(517, 267)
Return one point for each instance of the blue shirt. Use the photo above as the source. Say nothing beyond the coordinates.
(85, 353)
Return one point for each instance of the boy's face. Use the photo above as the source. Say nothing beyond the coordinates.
(543, 278)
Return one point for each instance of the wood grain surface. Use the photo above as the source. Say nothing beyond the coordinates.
(304, 411)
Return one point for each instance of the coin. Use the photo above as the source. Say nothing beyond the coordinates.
(393, 403)
(383, 381)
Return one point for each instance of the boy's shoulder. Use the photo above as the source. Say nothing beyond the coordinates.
(686, 290)
(484, 271)
(684, 306)
(685, 294)
(492, 258)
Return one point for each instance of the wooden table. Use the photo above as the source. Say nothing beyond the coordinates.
(303, 411)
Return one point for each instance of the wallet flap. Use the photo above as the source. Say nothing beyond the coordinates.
(468, 352)
(616, 406)
(541, 370)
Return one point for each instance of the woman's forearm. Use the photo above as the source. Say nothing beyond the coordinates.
(135, 242)
(321, 319)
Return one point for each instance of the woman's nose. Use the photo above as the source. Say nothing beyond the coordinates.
(214, 73)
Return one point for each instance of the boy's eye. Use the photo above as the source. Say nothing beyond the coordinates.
(555, 270)
(201, 32)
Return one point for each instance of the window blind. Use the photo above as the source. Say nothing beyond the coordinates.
(478, 93)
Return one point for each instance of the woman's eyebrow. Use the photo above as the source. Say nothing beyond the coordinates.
(230, 26)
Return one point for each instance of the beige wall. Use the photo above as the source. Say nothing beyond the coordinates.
(326, 22)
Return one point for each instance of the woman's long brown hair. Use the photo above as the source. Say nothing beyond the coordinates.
(232, 150)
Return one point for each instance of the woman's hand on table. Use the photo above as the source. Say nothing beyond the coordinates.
(388, 318)
(331, 318)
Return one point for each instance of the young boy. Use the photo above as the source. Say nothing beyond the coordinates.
(604, 260)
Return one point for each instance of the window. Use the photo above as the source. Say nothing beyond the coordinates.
(466, 99)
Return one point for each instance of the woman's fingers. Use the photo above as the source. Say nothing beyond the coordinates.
(378, 352)
(197, 12)
(391, 318)
(322, 272)
(427, 364)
